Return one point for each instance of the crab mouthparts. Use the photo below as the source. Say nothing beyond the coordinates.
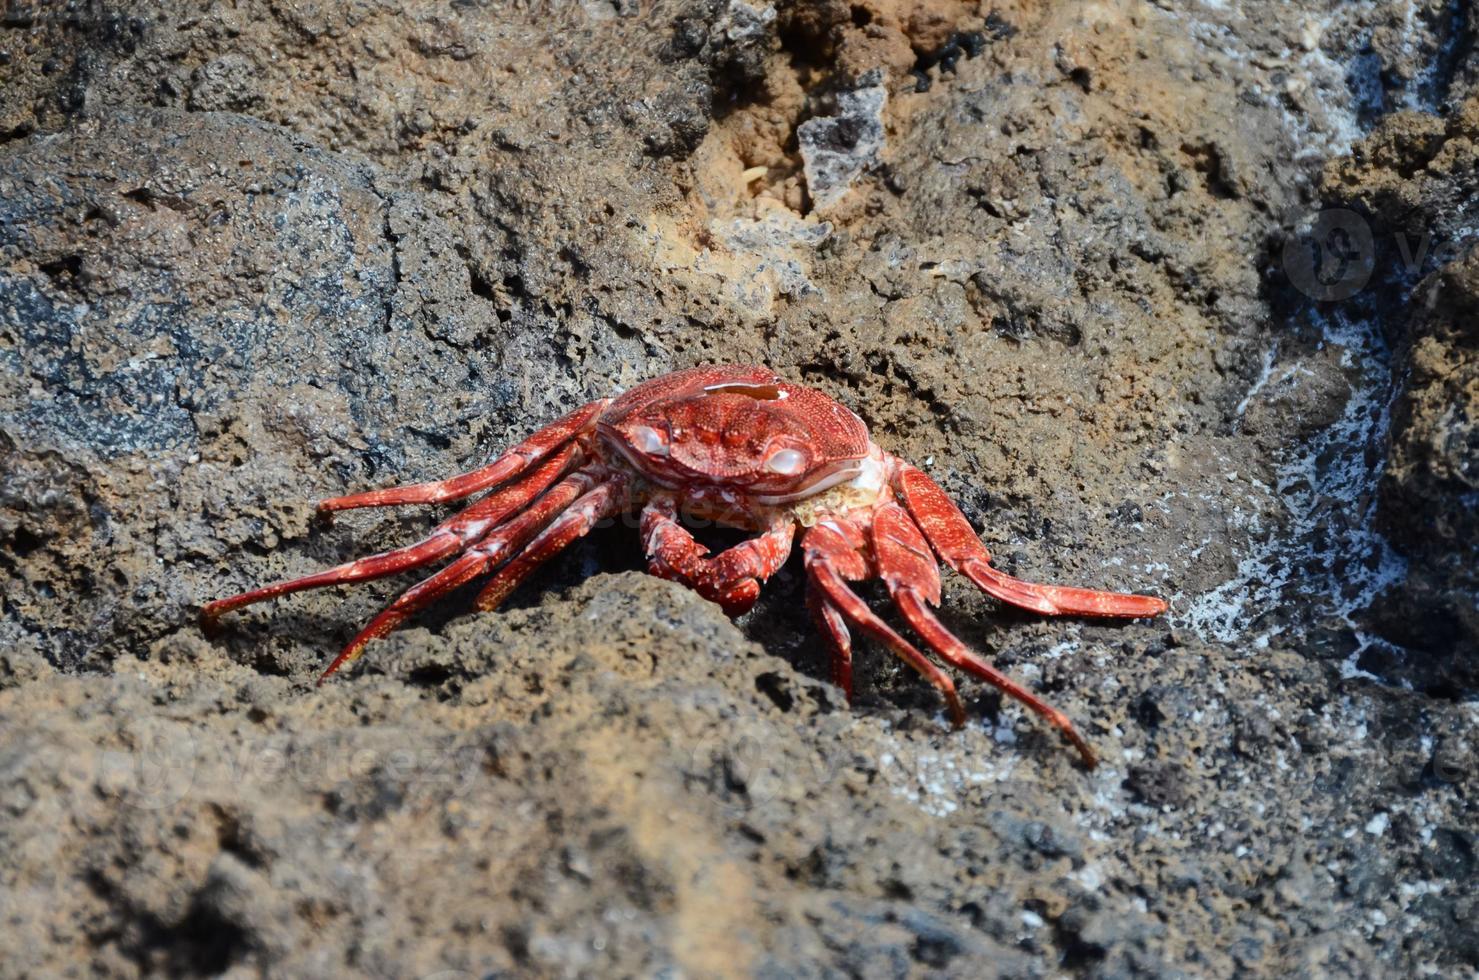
(840, 472)
(826, 478)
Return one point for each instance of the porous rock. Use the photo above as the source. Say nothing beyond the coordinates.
(279, 252)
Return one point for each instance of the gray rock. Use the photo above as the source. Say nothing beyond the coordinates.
(839, 148)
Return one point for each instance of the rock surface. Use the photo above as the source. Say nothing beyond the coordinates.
(262, 255)
(1413, 178)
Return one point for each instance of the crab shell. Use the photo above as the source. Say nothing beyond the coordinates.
(741, 443)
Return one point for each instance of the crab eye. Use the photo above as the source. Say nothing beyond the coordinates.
(786, 462)
(649, 441)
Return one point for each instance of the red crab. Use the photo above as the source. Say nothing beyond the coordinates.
(741, 447)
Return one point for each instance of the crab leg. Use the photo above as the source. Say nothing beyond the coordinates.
(600, 503)
(834, 628)
(505, 467)
(450, 536)
(913, 579)
(957, 545)
(476, 561)
(732, 578)
(832, 559)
